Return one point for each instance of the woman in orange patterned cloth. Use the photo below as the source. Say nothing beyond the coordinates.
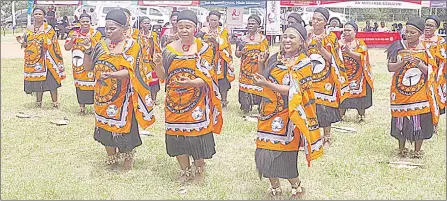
(414, 109)
(329, 74)
(218, 37)
(437, 47)
(288, 113)
(358, 70)
(122, 99)
(192, 109)
(44, 67)
(170, 34)
(248, 49)
(84, 81)
(148, 41)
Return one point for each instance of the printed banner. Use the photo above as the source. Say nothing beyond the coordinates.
(273, 18)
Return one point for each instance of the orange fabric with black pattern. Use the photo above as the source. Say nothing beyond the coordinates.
(43, 54)
(249, 65)
(224, 55)
(116, 98)
(329, 77)
(303, 109)
(149, 46)
(412, 91)
(83, 79)
(437, 47)
(358, 71)
(192, 111)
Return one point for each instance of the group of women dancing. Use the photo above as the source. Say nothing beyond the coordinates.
(309, 84)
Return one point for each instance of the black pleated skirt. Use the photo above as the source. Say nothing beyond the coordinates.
(419, 127)
(327, 115)
(276, 164)
(199, 147)
(224, 85)
(154, 88)
(359, 103)
(247, 100)
(124, 142)
(85, 96)
(50, 84)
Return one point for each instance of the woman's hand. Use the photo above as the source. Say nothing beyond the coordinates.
(106, 75)
(20, 39)
(259, 80)
(158, 59)
(184, 81)
(263, 56)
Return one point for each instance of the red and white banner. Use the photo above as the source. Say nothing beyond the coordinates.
(168, 3)
(58, 2)
(381, 39)
(413, 4)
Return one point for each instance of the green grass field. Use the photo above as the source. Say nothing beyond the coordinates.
(40, 160)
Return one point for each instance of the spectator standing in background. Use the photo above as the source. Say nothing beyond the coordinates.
(51, 16)
(368, 27)
(376, 26)
(93, 16)
(382, 27)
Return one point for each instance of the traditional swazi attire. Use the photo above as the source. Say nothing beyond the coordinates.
(249, 66)
(149, 46)
(44, 66)
(84, 80)
(121, 104)
(286, 122)
(414, 108)
(192, 114)
(360, 79)
(223, 58)
(329, 79)
(437, 47)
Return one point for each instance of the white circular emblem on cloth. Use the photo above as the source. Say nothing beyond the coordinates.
(112, 110)
(148, 100)
(318, 63)
(353, 85)
(38, 67)
(197, 114)
(90, 75)
(393, 96)
(277, 124)
(78, 58)
(412, 77)
(342, 79)
(286, 79)
(328, 86)
(130, 59)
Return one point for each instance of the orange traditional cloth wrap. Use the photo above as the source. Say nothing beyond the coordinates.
(43, 54)
(149, 46)
(249, 65)
(116, 98)
(412, 91)
(437, 47)
(330, 82)
(191, 111)
(287, 120)
(358, 71)
(83, 79)
(223, 54)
